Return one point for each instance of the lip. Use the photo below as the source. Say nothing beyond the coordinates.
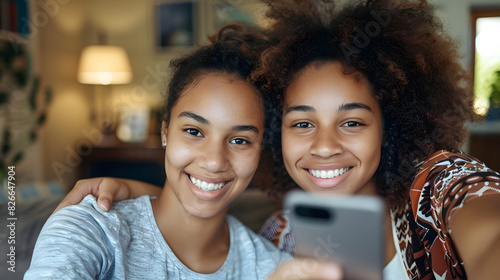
(208, 195)
(328, 183)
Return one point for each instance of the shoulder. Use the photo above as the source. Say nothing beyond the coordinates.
(449, 161)
(82, 241)
(86, 211)
(452, 161)
(448, 180)
(444, 171)
(120, 214)
(73, 242)
(87, 221)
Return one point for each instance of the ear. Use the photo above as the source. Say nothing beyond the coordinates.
(164, 127)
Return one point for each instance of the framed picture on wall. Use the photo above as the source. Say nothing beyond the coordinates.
(176, 24)
(226, 11)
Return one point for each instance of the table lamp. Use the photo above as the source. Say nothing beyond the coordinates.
(103, 65)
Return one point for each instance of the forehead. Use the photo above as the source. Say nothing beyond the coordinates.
(223, 94)
(328, 81)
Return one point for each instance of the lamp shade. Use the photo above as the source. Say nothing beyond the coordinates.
(104, 65)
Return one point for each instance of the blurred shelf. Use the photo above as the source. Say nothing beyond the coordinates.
(484, 143)
(139, 161)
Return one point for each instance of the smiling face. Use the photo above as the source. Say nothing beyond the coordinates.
(213, 143)
(331, 131)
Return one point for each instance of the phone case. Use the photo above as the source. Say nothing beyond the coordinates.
(345, 228)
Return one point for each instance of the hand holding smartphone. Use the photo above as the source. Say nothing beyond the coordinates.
(347, 229)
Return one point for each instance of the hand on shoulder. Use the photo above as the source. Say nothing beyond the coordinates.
(106, 189)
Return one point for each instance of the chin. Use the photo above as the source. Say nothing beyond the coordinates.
(205, 213)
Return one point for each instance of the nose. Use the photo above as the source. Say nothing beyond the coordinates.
(214, 158)
(326, 143)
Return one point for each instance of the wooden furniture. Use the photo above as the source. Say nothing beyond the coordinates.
(139, 161)
(484, 144)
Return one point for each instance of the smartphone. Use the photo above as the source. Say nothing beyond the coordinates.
(347, 229)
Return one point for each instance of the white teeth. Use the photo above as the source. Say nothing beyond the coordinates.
(204, 185)
(327, 174)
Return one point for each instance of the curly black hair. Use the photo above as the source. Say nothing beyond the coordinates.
(234, 50)
(412, 65)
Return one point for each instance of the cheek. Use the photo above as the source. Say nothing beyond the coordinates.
(178, 154)
(293, 147)
(293, 150)
(286, 149)
(245, 164)
(371, 149)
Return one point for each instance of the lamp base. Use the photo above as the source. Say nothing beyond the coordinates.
(109, 138)
(107, 126)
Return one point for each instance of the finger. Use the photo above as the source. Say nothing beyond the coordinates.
(104, 203)
(109, 189)
(105, 195)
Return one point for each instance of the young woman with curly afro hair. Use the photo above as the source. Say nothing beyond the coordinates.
(370, 98)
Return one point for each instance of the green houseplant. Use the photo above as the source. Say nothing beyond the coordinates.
(494, 110)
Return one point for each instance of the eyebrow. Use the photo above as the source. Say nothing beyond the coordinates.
(242, 128)
(354, 106)
(343, 107)
(204, 121)
(194, 116)
(299, 108)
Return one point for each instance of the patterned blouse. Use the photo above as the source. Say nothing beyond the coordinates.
(445, 182)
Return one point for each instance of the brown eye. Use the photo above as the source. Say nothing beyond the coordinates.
(239, 141)
(194, 132)
(303, 125)
(352, 124)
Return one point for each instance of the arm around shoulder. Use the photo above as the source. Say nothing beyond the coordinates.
(107, 190)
